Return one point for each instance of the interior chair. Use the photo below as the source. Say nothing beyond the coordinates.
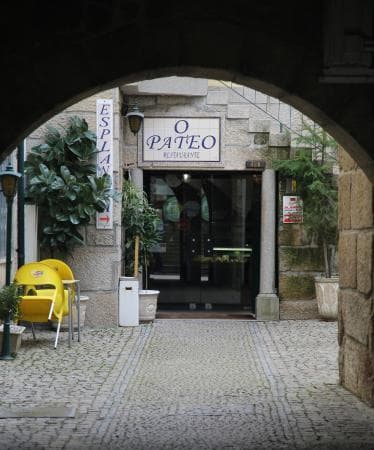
(44, 297)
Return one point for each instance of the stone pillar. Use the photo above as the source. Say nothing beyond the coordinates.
(137, 177)
(356, 289)
(267, 301)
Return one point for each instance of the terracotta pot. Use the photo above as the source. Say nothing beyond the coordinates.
(147, 305)
(327, 297)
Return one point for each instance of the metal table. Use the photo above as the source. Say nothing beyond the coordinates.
(69, 284)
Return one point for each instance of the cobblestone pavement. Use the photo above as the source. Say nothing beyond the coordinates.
(186, 384)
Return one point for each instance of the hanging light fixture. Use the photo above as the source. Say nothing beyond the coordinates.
(186, 177)
(134, 116)
(8, 180)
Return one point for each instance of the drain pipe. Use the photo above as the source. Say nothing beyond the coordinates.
(21, 205)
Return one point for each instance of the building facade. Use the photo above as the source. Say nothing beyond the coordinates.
(203, 156)
(214, 260)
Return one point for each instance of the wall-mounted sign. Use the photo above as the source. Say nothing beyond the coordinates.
(104, 132)
(292, 209)
(185, 139)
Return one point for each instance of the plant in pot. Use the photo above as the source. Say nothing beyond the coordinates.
(9, 305)
(311, 168)
(63, 183)
(141, 224)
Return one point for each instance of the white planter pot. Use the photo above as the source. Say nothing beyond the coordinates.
(327, 297)
(15, 337)
(147, 304)
(65, 321)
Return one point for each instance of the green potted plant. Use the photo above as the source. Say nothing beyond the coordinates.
(141, 224)
(9, 304)
(311, 168)
(62, 181)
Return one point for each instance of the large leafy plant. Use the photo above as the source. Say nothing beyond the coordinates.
(63, 183)
(311, 168)
(139, 219)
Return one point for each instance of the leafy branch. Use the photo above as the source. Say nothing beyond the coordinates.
(139, 218)
(63, 183)
(316, 186)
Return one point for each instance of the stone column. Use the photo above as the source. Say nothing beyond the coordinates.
(137, 177)
(267, 302)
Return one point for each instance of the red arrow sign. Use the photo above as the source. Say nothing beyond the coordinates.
(104, 219)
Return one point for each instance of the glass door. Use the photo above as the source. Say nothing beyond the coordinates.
(209, 256)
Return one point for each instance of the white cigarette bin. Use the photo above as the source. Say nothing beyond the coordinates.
(128, 302)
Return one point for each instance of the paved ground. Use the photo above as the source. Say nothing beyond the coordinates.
(186, 384)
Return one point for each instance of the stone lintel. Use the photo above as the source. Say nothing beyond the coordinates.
(238, 111)
(217, 97)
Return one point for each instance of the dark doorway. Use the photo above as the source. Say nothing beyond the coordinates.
(209, 256)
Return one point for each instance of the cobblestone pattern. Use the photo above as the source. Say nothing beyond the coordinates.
(298, 310)
(187, 384)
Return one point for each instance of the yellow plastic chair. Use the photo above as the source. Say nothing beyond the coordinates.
(45, 297)
(60, 267)
(64, 272)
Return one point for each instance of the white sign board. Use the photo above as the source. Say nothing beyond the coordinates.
(104, 132)
(170, 139)
(292, 209)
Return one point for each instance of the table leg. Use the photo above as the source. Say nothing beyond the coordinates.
(72, 314)
(69, 315)
(79, 310)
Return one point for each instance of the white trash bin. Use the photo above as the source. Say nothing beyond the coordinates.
(128, 302)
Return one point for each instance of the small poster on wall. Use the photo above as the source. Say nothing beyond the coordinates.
(292, 209)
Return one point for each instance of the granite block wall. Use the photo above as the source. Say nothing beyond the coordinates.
(356, 299)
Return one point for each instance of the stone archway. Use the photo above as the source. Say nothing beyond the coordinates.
(71, 54)
(265, 45)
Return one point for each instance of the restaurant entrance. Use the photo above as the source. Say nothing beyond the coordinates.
(209, 254)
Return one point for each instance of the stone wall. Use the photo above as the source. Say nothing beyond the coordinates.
(246, 130)
(299, 261)
(356, 305)
(97, 264)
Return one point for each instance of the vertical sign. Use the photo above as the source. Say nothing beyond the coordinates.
(104, 132)
(292, 209)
